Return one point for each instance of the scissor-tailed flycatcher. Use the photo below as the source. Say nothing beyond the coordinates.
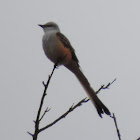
(59, 50)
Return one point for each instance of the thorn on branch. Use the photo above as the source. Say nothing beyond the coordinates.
(30, 134)
(105, 87)
(86, 100)
(44, 83)
(71, 106)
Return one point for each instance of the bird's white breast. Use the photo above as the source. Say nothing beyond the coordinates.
(50, 45)
(55, 50)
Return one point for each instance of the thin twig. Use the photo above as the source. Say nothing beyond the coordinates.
(47, 110)
(40, 107)
(115, 121)
(74, 107)
(37, 130)
(65, 114)
(105, 87)
(30, 134)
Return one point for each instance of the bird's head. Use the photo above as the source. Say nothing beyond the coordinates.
(49, 26)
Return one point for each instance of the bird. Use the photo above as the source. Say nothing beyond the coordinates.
(59, 50)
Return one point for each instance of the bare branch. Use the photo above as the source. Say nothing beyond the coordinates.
(115, 121)
(30, 134)
(105, 87)
(47, 110)
(74, 107)
(65, 114)
(40, 107)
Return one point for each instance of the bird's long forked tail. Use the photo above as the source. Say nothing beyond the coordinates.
(101, 108)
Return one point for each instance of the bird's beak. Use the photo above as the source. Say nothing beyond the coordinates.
(40, 25)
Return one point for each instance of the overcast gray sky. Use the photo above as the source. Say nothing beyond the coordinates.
(106, 37)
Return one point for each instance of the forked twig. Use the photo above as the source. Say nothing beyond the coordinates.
(73, 107)
(65, 114)
(40, 107)
(47, 110)
(105, 87)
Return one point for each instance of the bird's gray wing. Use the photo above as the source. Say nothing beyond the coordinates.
(67, 44)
